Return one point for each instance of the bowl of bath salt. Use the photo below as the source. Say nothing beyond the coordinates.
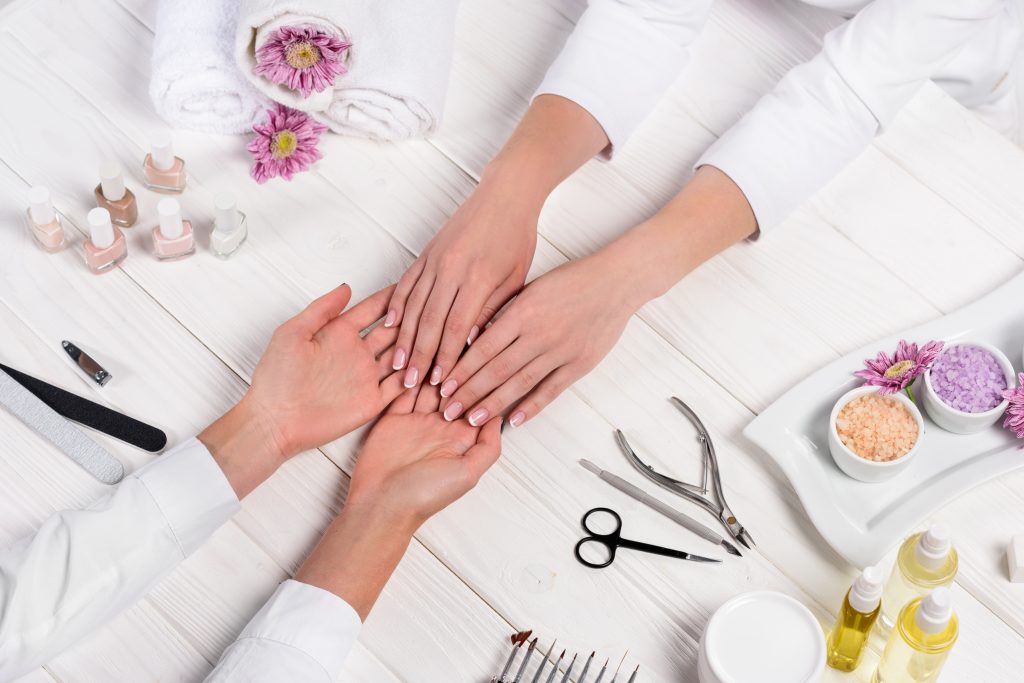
(874, 437)
(963, 389)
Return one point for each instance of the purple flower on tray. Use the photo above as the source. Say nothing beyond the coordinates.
(285, 144)
(1015, 411)
(302, 58)
(897, 372)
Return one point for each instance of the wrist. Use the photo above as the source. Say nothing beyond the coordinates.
(637, 276)
(517, 186)
(245, 446)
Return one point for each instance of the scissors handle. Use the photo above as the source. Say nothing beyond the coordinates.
(609, 548)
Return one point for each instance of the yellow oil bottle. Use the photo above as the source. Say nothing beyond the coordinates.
(856, 618)
(919, 644)
(925, 561)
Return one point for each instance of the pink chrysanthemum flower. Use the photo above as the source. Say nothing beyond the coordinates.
(1015, 411)
(285, 144)
(897, 372)
(302, 58)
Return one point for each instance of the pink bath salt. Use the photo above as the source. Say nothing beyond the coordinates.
(878, 428)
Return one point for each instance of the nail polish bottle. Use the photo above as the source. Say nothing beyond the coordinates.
(112, 195)
(173, 238)
(105, 246)
(163, 172)
(229, 227)
(43, 221)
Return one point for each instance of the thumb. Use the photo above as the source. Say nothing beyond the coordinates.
(487, 450)
(322, 311)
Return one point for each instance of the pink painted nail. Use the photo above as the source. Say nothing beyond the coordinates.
(391, 318)
(435, 376)
(478, 417)
(473, 334)
(399, 359)
(453, 411)
(517, 419)
(448, 388)
(412, 377)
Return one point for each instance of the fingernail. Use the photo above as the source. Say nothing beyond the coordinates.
(518, 418)
(473, 333)
(448, 388)
(412, 377)
(399, 359)
(478, 417)
(453, 411)
(392, 316)
(435, 376)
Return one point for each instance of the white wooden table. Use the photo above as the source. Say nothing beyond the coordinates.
(925, 220)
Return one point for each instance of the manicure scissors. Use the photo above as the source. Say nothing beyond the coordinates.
(716, 504)
(611, 541)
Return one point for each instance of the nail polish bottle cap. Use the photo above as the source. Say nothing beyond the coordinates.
(100, 229)
(170, 218)
(112, 180)
(935, 610)
(161, 151)
(933, 546)
(227, 213)
(40, 207)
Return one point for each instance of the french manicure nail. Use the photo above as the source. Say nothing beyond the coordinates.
(473, 334)
(478, 417)
(435, 376)
(448, 388)
(452, 411)
(399, 359)
(392, 316)
(518, 418)
(412, 377)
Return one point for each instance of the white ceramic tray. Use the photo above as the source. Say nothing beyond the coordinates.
(863, 521)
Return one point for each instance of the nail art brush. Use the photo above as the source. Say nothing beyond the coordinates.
(650, 501)
(586, 667)
(616, 674)
(632, 679)
(565, 678)
(600, 675)
(517, 642)
(551, 676)
(526, 660)
(543, 662)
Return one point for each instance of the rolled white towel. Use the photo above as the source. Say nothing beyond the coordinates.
(398, 65)
(195, 80)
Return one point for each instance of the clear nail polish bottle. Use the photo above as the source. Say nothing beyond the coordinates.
(229, 227)
(173, 238)
(162, 171)
(105, 246)
(43, 221)
(112, 195)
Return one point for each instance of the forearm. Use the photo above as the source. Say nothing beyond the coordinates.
(244, 447)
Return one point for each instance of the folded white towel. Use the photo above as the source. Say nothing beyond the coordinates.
(398, 65)
(195, 80)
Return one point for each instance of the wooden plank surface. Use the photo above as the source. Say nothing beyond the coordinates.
(499, 558)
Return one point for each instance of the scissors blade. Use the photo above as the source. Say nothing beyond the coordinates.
(699, 558)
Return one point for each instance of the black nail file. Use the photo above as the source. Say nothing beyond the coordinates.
(85, 412)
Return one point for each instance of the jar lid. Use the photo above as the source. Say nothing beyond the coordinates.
(762, 636)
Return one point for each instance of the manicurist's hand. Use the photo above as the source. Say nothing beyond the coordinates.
(317, 381)
(413, 464)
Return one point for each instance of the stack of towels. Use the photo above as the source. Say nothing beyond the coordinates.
(395, 57)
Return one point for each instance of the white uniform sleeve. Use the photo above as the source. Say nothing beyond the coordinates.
(302, 633)
(622, 57)
(84, 566)
(824, 113)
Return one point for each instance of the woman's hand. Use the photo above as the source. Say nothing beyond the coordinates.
(467, 272)
(555, 332)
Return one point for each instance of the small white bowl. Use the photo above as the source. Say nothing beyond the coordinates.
(958, 422)
(863, 469)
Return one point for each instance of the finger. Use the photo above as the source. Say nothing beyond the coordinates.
(404, 404)
(428, 332)
(486, 452)
(384, 369)
(492, 306)
(495, 373)
(405, 285)
(321, 311)
(391, 388)
(456, 333)
(494, 340)
(410, 320)
(428, 401)
(510, 391)
(380, 338)
(369, 310)
(547, 391)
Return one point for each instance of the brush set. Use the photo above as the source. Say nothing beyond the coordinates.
(512, 673)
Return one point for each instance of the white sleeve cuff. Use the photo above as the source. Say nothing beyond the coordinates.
(191, 491)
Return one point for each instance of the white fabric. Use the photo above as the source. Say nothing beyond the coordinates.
(195, 81)
(83, 567)
(823, 113)
(398, 64)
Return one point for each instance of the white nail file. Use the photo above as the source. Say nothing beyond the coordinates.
(25, 406)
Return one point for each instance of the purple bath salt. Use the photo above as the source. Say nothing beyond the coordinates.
(968, 379)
